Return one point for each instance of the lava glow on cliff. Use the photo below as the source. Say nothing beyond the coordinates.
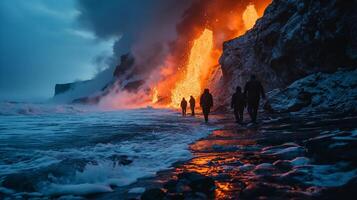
(191, 63)
(189, 69)
(196, 71)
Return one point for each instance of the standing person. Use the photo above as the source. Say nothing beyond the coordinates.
(206, 102)
(253, 90)
(183, 106)
(238, 104)
(192, 105)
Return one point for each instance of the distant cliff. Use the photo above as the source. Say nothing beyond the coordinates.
(112, 79)
(292, 40)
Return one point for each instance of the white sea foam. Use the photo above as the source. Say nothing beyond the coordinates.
(18, 108)
(137, 190)
(80, 153)
(77, 189)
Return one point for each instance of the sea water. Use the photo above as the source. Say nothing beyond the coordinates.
(54, 150)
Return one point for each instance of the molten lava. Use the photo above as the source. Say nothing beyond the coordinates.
(155, 96)
(250, 16)
(197, 69)
(191, 66)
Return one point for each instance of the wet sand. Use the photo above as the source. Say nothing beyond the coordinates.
(273, 159)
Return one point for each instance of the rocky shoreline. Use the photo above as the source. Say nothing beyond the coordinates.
(302, 148)
(285, 156)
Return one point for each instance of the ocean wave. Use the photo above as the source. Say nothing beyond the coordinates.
(93, 152)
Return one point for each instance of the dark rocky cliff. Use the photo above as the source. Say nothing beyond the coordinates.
(292, 40)
(126, 75)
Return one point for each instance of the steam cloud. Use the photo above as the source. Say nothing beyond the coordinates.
(143, 28)
(158, 32)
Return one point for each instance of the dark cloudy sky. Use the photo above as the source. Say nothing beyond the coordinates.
(41, 44)
(44, 42)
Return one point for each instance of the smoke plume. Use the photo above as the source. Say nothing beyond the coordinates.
(160, 33)
(143, 28)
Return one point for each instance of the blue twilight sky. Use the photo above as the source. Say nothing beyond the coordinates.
(41, 44)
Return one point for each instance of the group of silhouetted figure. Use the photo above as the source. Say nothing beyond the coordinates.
(206, 102)
(250, 98)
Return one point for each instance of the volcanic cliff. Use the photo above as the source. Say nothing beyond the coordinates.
(293, 39)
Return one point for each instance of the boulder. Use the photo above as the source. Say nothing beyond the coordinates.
(170, 186)
(153, 194)
(336, 92)
(255, 190)
(333, 147)
(198, 182)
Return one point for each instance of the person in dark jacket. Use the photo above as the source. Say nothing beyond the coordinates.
(238, 104)
(253, 90)
(192, 105)
(183, 106)
(206, 102)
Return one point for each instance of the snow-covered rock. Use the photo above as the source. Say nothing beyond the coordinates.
(284, 151)
(319, 92)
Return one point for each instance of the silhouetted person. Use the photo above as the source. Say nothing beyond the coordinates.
(253, 90)
(183, 106)
(192, 105)
(206, 102)
(238, 104)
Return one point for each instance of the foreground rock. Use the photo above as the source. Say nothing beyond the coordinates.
(335, 92)
(153, 194)
(334, 146)
(188, 185)
(287, 156)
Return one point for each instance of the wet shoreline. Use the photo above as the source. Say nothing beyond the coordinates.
(274, 159)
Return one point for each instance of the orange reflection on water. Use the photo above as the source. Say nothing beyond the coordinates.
(212, 165)
(201, 165)
(220, 144)
(219, 156)
(224, 189)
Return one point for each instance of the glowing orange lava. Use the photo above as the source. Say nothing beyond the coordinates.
(193, 72)
(196, 71)
(250, 16)
(155, 95)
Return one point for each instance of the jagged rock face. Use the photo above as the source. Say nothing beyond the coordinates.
(293, 39)
(126, 75)
(126, 63)
(319, 92)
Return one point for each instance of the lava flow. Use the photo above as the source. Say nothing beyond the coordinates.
(250, 16)
(195, 54)
(198, 68)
